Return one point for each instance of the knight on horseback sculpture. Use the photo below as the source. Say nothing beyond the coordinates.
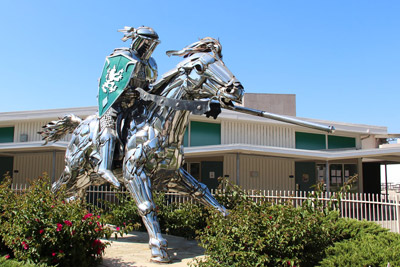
(136, 139)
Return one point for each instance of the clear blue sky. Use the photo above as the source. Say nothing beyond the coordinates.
(340, 58)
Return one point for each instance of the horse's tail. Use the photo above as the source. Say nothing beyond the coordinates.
(55, 130)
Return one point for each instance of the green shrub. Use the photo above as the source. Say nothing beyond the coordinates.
(124, 214)
(351, 228)
(266, 235)
(181, 219)
(366, 250)
(38, 226)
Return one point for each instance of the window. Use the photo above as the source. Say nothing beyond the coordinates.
(340, 174)
(7, 135)
(202, 134)
(310, 141)
(335, 142)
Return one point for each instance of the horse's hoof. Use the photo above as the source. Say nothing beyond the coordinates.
(159, 255)
(160, 260)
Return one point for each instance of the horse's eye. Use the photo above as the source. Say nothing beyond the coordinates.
(199, 68)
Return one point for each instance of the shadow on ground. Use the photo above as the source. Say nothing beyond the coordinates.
(133, 250)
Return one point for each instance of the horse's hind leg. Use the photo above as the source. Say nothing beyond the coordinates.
(75, 185)
(199, 191)
(140, 188)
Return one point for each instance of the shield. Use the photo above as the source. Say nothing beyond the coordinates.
(114, 79)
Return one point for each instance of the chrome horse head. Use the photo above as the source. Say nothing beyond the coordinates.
(207, 76)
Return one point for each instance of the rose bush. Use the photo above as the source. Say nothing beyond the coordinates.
(40, 227)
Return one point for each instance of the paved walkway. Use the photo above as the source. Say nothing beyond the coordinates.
(133, 250)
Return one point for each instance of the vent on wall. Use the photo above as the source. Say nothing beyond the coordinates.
(23, 138)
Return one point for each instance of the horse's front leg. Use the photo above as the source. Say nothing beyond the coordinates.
(138, 183)
(199, 191)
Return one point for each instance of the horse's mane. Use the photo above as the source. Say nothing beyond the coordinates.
(206, 44)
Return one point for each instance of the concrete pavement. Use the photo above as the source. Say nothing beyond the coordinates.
(133, 250)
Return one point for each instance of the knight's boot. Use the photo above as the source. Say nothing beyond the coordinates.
(107, 146)
(158, 247)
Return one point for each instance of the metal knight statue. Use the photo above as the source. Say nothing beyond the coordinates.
(125, 70)
(136, 139)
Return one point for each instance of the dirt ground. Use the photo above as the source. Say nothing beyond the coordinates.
(133, 250)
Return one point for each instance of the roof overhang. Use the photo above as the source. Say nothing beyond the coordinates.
(388, 154)
(380, 154)
(27, 147)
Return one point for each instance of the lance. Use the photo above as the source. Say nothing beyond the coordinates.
(268, 115)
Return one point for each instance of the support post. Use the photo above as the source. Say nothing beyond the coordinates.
(237, 169)
(328, 189)
(53, 170)
(386, 182)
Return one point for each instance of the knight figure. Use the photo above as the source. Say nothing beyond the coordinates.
(125, 70)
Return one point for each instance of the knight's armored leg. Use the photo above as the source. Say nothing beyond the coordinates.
(199, 191)
(139, 186)
(107, 143)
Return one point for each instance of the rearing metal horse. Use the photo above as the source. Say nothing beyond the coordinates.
(152, 136)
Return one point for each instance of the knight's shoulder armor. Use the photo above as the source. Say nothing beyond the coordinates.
(126, 52)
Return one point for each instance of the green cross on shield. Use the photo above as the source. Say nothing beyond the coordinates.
(114, 79)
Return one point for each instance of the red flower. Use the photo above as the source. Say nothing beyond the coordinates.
(52, 206)
(73, 232)
(118, 228)
(53, 254)
(41, 231)
(96, 243)
(7, 256)
(87, 216)
(270, 217)
(208, 227)
(68, 223)
(59, 227)
(98, 216)
(25, 245)
(61, 251)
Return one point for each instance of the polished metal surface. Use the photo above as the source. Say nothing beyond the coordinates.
(143, 130)
(151, 131)
(264, 114)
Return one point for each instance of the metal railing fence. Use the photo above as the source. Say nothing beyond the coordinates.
(380, 208)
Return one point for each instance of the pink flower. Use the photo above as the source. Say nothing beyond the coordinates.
(53, 254)
(7, 256)
(87, 216)
(52, 206)
(118, 228)
(68, 223)
(98, 216)
(59, 227)
(41, 231)
(26, 246)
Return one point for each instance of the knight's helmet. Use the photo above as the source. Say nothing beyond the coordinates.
(144, 40)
